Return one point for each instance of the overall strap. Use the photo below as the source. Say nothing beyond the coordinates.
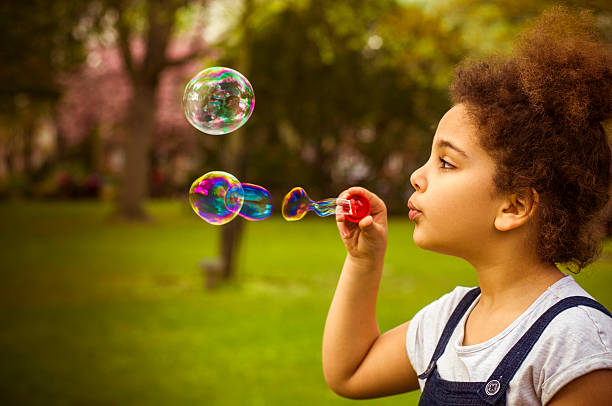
(454, 319)
(498, 382)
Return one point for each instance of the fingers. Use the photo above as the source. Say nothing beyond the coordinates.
(378, 211)
(345, 227)
(376, 203)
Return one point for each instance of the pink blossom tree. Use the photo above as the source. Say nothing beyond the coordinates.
(119, 89)
(97, 96)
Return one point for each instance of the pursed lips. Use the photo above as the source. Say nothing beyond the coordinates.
(414, 212)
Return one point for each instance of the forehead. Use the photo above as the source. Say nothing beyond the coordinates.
(456, 128)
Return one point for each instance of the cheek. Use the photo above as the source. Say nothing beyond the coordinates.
(457, 211)
(470, 211)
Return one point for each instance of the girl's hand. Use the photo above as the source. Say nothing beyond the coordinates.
(366, 241)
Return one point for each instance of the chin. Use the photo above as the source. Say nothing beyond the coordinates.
(420, 240)
(425, 243)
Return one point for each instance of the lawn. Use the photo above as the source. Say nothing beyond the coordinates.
(97, 312)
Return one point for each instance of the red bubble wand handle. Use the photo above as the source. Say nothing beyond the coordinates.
(354, 207)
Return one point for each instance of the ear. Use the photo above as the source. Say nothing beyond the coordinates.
(516, 209)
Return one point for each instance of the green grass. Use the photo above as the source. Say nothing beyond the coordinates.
(97, 312)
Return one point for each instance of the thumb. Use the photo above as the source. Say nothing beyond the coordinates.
(366, 224)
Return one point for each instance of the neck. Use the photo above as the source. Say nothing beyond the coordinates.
(514, 284)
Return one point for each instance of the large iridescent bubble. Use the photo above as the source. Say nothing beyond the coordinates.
(218, 100)
(216, 197)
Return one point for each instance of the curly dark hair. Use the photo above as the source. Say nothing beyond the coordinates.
(539, 115)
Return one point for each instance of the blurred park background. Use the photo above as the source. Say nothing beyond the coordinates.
(113, 291)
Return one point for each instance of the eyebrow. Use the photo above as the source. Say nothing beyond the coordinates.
(446, 143)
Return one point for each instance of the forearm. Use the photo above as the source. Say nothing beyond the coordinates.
(351, 327)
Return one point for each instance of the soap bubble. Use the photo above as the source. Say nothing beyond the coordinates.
(216, 197)
(297, 203)
(257, 202)
(218, 100)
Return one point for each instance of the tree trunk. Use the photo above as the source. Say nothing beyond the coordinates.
(28, 138)
(231, 233)
(144, 76)
(223, 268)
(234, 161)
(137, 144)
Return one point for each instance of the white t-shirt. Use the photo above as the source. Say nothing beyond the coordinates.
(577, 341)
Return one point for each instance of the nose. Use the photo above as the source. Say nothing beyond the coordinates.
(417, 179)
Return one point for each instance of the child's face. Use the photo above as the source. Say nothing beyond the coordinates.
(456, 198)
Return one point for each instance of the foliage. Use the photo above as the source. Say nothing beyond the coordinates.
(36, 46)
(347, 92)
(491, 26)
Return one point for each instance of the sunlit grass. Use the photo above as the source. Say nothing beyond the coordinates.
(99, 312)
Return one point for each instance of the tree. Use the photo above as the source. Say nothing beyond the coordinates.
(96, 97)
(144, 74)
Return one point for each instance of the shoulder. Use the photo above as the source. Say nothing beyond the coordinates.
(582, 327)
(577, 342)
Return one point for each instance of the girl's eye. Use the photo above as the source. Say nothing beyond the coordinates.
(444, 163)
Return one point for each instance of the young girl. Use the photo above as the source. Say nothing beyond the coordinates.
(518, 181)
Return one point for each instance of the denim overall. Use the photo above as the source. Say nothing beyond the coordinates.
(438, 391)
